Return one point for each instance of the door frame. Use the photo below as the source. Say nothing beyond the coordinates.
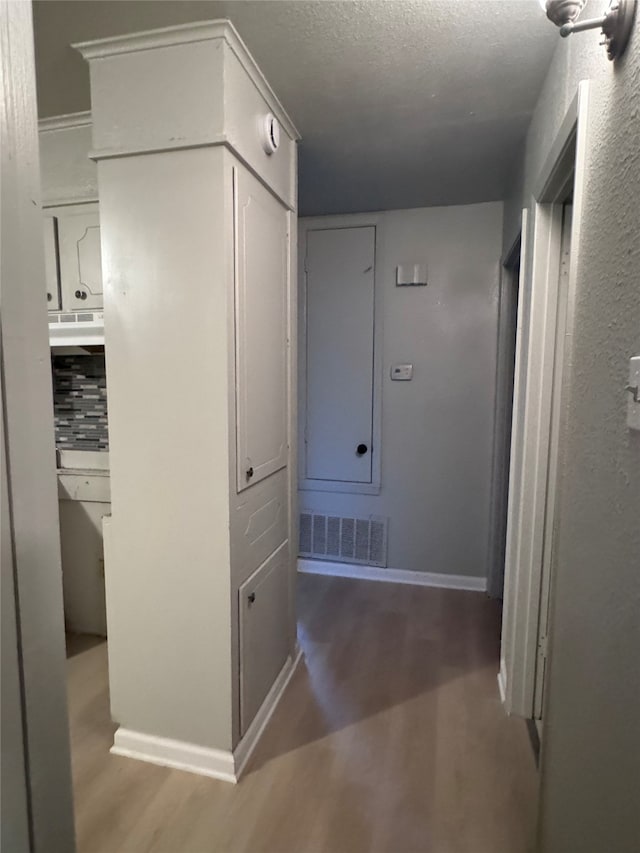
(314, 223)
(502, 421)
(531, 487)
(40, 795)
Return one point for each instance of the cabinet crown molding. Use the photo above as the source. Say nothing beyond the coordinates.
(185, 34)
(68, 121)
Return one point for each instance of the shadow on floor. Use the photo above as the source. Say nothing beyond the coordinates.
(371, 647)
(78, 643)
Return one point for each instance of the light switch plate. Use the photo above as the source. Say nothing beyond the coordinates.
(633, 392)
(402, 372)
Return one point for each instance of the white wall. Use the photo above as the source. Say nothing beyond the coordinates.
(591, 743)
(437, 429)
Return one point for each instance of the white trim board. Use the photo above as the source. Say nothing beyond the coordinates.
(68, 121)
(502, 680)
(372, 573)
(178, 754)
(244, 749)
(217, 763)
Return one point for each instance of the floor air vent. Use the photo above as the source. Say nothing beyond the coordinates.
(346, 540)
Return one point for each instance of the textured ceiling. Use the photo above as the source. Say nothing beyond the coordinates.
(400, 104)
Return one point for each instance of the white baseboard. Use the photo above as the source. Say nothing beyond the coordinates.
(177, 754)
(373, 573)
(502, 680)
(245, 748)
(217, 763)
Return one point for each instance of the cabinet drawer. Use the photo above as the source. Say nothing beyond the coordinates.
(263, 622)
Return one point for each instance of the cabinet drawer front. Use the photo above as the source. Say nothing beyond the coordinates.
(263, 622)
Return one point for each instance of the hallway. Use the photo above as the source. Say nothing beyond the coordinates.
(390, 738)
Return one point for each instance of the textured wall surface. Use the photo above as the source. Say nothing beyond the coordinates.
(437, 430)
(591, 747)
(400, 104)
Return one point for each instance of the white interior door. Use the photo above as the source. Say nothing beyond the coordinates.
(554, 445)
(340, 323)
(261, 332)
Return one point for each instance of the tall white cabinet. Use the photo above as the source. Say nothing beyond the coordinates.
(198, 213)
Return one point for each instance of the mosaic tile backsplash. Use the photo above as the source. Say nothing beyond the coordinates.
(80, 402)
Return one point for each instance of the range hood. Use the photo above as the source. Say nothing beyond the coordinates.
(76, 328)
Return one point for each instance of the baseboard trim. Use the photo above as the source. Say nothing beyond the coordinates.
(217, 763)
(502, 680)
(373, 573)
(245, 748)
(177, 754)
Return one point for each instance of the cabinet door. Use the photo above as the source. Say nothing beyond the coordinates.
(52, 277)
(80, 258)
(262, 242)
(83, 565)
(264, 603)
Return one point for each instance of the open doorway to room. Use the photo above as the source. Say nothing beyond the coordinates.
(508, 312)
(549, 282)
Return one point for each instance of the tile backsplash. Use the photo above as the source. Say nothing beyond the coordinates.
(80, 402)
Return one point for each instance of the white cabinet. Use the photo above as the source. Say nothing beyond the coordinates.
(73, 257)
(264, 639)
(197, 230)
(83, 566)
(51, 265)
(261, 331)
(80, 257)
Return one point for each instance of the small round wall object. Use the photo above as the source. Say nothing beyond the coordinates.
(270, 133)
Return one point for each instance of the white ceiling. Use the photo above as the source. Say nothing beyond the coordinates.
(400, 103)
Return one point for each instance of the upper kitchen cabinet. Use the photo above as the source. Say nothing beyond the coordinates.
(71, 218)
(73, 259)
(80, 257)
(51, 262)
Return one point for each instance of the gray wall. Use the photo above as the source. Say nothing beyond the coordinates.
(437, 429)
(591, 747)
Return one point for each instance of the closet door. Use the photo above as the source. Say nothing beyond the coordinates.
(340, 335)
(261, 331)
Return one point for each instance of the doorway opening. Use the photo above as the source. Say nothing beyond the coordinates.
(549, 280)
(508, 312)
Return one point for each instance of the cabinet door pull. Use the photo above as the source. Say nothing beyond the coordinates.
(251, 598)
(80, 294)
(250, 472)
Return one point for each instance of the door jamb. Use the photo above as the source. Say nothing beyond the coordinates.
(528, 487)
(497, 525)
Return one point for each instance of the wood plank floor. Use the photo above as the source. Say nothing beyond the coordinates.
(390, 738)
